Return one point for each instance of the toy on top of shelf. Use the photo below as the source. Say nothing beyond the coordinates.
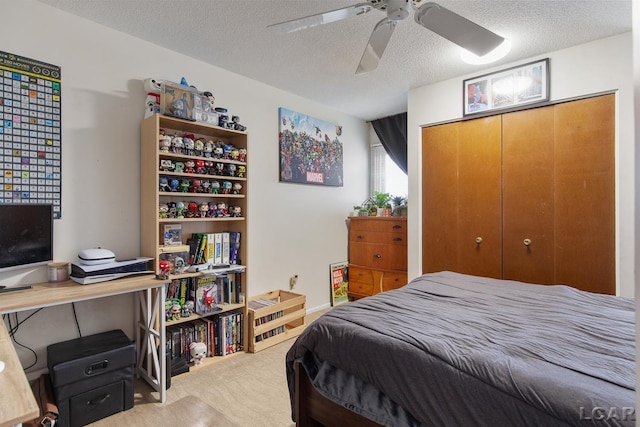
(187, 309)
(184, 185)
(174, 184)
(236, 124)
(177, 100)
(237, 188)
(165, 143)
(190, 166)
(200, 168)
(231, 170)
(167, 165)
(215, 187)
(208, 148)
(226, 187)
(198, 146)
(179, 167)
(153, 88)
(203, 209)
(241, 170)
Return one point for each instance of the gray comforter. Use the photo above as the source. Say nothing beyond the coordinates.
(458, 350)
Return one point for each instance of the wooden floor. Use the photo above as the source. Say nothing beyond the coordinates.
(246, 390)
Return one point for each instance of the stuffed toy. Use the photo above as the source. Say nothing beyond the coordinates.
(152, 104)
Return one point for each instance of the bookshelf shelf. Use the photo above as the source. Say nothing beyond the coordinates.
(160, 209)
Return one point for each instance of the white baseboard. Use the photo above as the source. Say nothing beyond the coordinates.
(318, 308)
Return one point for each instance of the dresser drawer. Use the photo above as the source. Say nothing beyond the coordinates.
(393, 281)
(378, 237)
(378, 224)
(360, 288)
(376, 256)
(361, 275)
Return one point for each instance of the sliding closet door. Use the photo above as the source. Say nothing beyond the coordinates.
(440, 198)
(528, 195)
(585, 194)
(479, 210)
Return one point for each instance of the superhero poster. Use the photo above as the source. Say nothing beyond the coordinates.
(310, 150)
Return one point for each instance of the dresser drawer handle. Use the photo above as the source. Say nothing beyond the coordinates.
(397, 239)
(395, 227)
(360, 236)
(377, 256)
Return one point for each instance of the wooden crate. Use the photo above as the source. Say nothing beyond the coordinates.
(287, 312)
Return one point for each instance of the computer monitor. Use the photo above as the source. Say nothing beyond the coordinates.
(26, 236)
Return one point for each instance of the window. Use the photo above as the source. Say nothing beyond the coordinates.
(386, 176)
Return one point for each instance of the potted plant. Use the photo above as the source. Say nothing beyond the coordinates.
(382, 201)
(399, 206)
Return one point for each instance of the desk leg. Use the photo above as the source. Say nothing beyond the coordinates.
(150, 338)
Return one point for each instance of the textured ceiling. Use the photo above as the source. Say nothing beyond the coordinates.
(319, 63)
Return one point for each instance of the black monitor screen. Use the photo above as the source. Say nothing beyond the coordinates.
(26, 238)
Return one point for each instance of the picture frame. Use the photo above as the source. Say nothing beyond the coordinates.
(339, 279)
(507, 89)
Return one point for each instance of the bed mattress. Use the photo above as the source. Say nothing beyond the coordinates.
(459, 350)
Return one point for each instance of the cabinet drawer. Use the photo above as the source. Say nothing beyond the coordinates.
(361, 275)
(393, 281)
(376, 256)
(360, 288)
(391, 225)
(379, 237)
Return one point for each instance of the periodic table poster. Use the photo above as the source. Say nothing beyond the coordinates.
(30, 132)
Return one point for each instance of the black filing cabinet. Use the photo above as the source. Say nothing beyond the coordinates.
(92, 377)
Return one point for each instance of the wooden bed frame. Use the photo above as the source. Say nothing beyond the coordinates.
(312, 409)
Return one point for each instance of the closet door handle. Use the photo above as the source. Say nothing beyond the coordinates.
(478, 240)
(527, 242)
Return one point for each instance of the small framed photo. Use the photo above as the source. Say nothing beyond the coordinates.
(507, 89)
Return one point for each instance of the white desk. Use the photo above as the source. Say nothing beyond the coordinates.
(149, 326)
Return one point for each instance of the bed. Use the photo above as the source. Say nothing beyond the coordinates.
(450, 349)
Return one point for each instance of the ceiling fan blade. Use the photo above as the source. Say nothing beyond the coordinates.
(457, 29)
(322, 18)
(377, 44)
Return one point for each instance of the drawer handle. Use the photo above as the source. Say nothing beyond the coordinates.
(360, 236)
(527, 242)
(377, 256)
(397, 239)
(395, 227)
(98, 400)
(478, 240)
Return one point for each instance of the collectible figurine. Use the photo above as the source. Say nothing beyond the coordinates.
(188, 146)
(219, 169)
(242, 155)
(178, 108)
(174, 184)
(198, 351)
(162, 210)
(179, 266)
(187, 309)
(215, 187)
(165, 143)
(208, 103)
(236, 211)
(212, 209)
(221, 210)
(226, 187)
(180, 210)
(195, 185)
(200, 168)
(203, 208)
(226, 151)
(199, 147)
(152, 103)
(241, 170)
(189, 166)
(172, 210)
(184, 185)
(167, 165)
(236, 124)
(192, 210)
(175, 311)
(234, 154)
(231, 169)
(177, 145)
(165, 269)
(206, 186)
(218, 152)
(208, 166)
(179, 167)
(164, 183)
(237, 188)
(208, 148)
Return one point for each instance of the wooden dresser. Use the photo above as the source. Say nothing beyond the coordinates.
(377, 255)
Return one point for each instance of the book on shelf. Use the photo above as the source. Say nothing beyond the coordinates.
(225, 236)
(173, 234)
(234, 247)
(194, 245)
(208, 294)
(217, 256)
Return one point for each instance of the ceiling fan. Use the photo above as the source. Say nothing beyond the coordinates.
(432, 16)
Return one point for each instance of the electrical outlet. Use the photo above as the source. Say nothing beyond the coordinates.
(292, 281)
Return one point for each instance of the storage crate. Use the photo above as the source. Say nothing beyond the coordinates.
(275, 317)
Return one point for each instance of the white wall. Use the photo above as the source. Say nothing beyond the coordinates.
(603, 65)
(293, 229)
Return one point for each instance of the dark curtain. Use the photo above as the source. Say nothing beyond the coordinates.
(392, 132)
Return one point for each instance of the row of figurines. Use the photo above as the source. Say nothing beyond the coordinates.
(182, 210)
(203, 167)
(190, 145)
(184, 185)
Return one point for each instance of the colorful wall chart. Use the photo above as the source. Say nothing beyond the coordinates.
(30, 132)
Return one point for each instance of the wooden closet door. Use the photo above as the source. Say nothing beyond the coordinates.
(585, 194)
(528, 195)
(479, 198)
(440, 197)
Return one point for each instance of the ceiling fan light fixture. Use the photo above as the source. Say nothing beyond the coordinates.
(495, 55)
